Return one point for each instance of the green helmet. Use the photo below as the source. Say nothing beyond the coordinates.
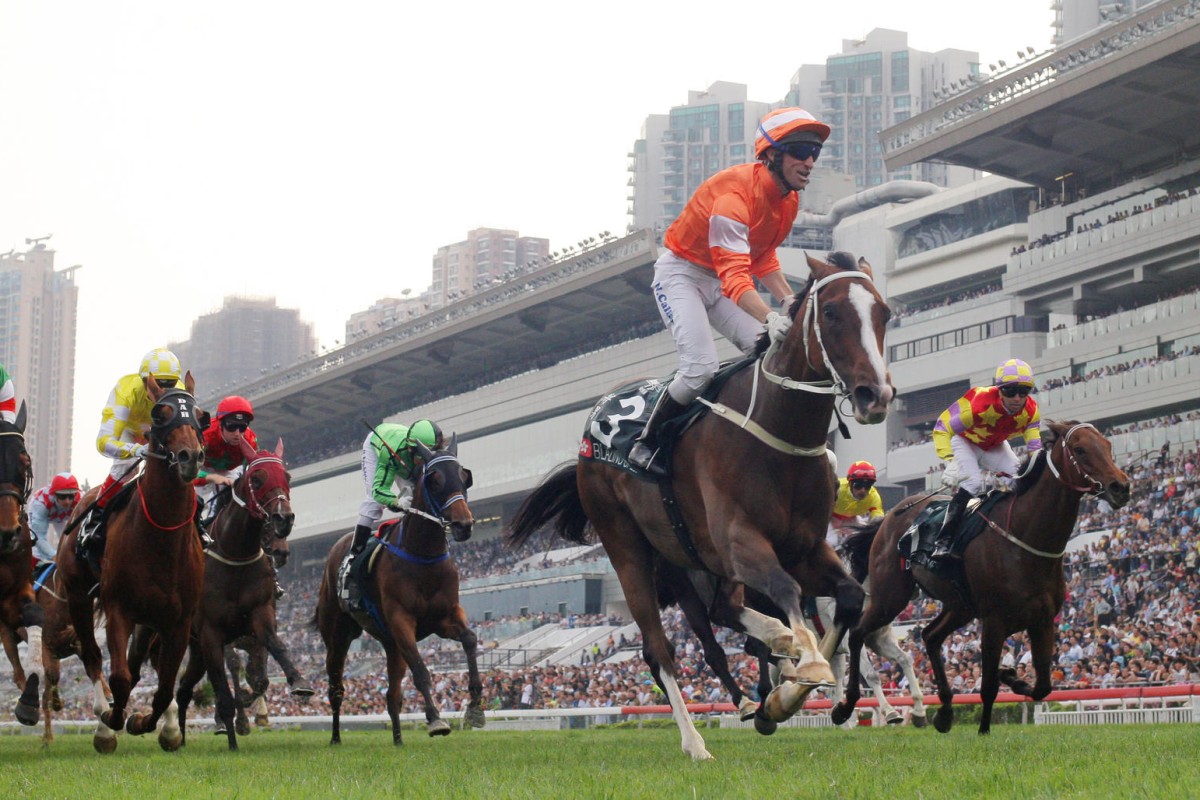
(426, 432)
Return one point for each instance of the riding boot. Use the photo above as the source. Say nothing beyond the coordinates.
(351, 591)
(645, 449)
(361, 532)
(954, 515)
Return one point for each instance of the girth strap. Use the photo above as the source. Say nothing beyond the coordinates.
(671, 504)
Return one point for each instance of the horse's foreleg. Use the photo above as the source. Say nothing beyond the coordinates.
(265, 633)
(187, 685)
(173, 645)
(118, 632)
(210, 651)
(395, 693)
(9, 638)
(875, 642)
(473, 715)
(1041, 644)
(991, 642)
(934, 634)
(403, 630)
(26, 711)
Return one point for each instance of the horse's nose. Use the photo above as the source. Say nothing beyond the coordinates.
(461, 531)
(283, 524)
(871, 402)
(1118, 493)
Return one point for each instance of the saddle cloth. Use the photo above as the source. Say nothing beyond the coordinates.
(924, 529)
(620, 416)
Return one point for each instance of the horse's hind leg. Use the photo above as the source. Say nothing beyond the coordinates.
(632, 559)
(337, 631)
(991, 642)
(269, 637)
(187, 685)
(9, 639)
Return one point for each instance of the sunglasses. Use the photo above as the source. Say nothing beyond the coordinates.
(1015, 391)
(166, 383)
(232, 427)
(801, 151)
(862, 484)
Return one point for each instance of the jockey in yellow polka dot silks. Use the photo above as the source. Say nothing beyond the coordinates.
(973, 433)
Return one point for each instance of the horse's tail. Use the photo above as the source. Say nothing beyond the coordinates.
(555, 500)
(857, 548)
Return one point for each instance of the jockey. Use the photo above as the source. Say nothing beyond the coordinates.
(51, 505)
(8, 397)
(124, 428)
(387, 460)
(856, 497)
(726, 237)
(973, 433)
(224, 454)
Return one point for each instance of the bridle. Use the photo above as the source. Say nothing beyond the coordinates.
(275, 496)
(1097, 488)
(834, 385)
(185, 414)
(438, 517)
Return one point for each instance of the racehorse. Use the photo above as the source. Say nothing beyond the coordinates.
(239, 584)
(1013, 572)
(152, 571)
(755, 495)
(412, 593)
(18, 608)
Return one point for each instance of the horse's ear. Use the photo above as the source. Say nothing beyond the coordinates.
(817, 267)
(247, 451)
(153, 388)
(452, 448)
(279, 449)
(865, 266)
(422, 450)
(189, 383)
(21, 417)
(1054, 429)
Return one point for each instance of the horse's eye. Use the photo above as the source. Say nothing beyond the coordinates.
(257, 481)
(829, 312)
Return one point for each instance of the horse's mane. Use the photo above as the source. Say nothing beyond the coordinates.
(1031, 469)
(857, 547)
(835, 258)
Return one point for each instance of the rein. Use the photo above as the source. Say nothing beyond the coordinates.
(236, 562)
(150, 519)
(834, 386)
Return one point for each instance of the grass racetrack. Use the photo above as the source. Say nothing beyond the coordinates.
(1021, 761)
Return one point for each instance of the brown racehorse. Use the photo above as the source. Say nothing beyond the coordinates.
(239, 584)
(18, 607)
(1013, 569)
(413, 593)
(151, 574)
(756, 494)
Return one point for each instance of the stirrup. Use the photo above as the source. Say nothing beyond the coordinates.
(642, 457)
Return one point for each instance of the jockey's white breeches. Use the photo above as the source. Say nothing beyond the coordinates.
(970, 461)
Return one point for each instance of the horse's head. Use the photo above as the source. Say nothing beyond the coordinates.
(842, 328)
(265, 488)
(442, 485)
(1081, 457)
(175, 429)
(16, 480)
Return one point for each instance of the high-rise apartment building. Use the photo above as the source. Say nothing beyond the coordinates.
(488, 255)
(875, 83)
(245, 339)
(677, 151)
(385, 313)
(37, 345)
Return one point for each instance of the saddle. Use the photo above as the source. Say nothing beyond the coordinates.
(620, 416)
(89, 547)
(353, 598)
(916, 543)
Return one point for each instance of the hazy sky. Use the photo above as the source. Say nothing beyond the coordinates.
(321, 153)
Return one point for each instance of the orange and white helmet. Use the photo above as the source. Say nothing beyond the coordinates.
(783, 124)
(861, 471)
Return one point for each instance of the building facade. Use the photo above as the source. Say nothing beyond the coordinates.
(243, 340)
(38, 308)
(487, 256)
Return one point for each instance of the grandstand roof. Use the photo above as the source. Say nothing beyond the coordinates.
(1095, 113)
(544, 313)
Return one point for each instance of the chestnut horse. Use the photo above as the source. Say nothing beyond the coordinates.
(152, 572)
(239, 584)
(412, 593)
(756, 495)
(1013, 570)
(18, 607)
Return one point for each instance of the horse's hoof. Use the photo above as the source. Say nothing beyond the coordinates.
(919, 721)
(765, 726)
(104, 744)
(170, 743)
(943, 722)
(262, 721)
(439, 727)
(815, 674)
(839, 715)
(220, 730)
(746, 709)
(134, 726)
(242, 726)
(895, 718)
(302, 688)
(27, 711)
(474, 717)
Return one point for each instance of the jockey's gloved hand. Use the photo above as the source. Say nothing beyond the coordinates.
(778, 326)
(403, 502)
(140, 450)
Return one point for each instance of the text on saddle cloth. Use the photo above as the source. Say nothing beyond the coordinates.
(620, 416)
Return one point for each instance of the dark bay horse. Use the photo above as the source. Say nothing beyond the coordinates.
(1013, 569)
(239, 585)
(152, 572)
(18, 607)
(412, 593)
(753, 483)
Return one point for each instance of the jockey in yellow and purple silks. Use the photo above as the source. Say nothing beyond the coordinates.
(973, 433)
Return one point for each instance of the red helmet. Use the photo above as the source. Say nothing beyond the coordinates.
(861, 471)
(64, 483)
(237, 406)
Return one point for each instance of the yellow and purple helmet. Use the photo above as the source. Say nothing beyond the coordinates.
(1014, 372)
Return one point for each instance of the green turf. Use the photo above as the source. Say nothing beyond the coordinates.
(1014, 762)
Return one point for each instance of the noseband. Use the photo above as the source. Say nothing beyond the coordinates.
(1097, 488)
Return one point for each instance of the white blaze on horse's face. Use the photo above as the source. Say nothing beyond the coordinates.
(864, 302)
